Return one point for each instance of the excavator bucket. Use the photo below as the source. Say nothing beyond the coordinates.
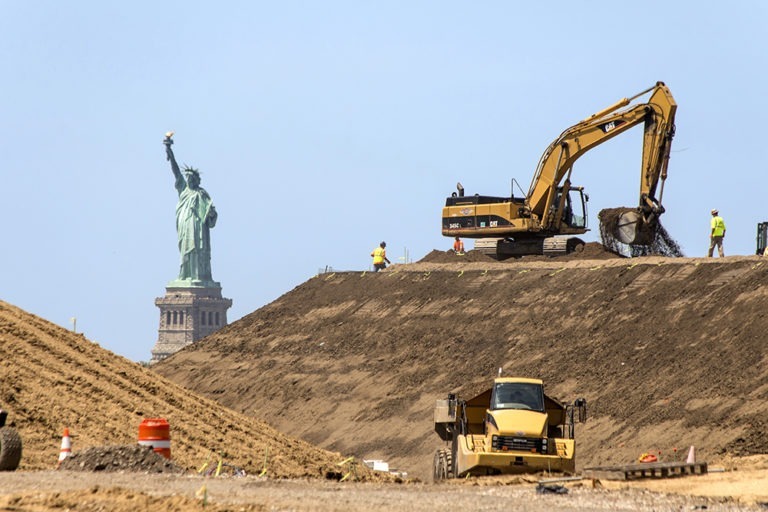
(626, 225)
(626, 232)
(632, 229)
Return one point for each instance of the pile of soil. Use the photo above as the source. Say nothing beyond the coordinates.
(52, 378)
(668, 352)
(128, 458)
(450, 256)
(660, 242)
(590, 251)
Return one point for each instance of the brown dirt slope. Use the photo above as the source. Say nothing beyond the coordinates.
(51, 378)
(669, 352)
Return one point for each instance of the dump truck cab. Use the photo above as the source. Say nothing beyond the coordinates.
(513, 427)
(516, 417)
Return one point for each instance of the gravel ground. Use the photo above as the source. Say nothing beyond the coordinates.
(57, 490)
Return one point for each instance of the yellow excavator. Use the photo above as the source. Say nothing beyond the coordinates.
(511, 428)
(544, 220)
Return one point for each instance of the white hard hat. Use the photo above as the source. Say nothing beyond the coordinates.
(714, 211)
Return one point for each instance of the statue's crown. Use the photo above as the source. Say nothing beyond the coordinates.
(191, 170)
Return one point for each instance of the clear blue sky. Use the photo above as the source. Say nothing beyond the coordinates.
(322, 128)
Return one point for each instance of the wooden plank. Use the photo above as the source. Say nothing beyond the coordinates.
(561, 479)
(649, 470)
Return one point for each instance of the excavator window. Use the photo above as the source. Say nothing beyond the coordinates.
(575, 208)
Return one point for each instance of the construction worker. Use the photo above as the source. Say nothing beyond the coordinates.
(717, 234)
(380, 257)
(458, 246)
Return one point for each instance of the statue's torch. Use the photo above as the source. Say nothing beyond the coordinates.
(168, 141)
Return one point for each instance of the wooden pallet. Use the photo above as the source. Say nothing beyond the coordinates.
(648, 470)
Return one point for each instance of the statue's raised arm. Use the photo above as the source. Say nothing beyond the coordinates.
(180, 182)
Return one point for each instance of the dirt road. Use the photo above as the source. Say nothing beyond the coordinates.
(126, 492)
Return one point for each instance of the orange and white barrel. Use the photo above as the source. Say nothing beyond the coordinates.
(156, 432)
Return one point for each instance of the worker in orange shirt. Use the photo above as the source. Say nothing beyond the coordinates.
(458, 246)
(379, 255)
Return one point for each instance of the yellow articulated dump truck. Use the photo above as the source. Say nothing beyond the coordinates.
(513, 427)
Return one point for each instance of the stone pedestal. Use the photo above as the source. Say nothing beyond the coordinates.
(189, 311)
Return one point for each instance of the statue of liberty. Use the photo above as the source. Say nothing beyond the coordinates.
(195, 216)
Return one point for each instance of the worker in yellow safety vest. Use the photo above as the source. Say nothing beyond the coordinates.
(717, 234)
(380, 257)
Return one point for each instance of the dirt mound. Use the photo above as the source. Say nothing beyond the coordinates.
(52, 378)
(590, 251)
(451, 256)
(135, 458)
(669, 352)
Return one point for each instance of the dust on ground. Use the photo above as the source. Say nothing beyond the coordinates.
(126, 492)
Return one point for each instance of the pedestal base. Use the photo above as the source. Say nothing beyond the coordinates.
(188, 312)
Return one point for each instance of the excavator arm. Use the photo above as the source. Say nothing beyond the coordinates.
(556, 164)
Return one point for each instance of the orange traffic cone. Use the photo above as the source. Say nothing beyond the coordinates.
(66, 446)
(691, 456)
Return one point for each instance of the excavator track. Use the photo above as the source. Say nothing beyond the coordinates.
(555, 246)
(501, 249)
(487, 246)
(559, 245)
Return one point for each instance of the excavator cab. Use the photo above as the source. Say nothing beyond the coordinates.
(575, 208)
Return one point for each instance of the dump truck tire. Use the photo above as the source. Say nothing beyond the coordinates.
(441, 465)
(10, 449)
(448, 464)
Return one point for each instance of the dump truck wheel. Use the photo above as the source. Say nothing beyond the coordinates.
(448, 464)
(10, 449)
(440, 466)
